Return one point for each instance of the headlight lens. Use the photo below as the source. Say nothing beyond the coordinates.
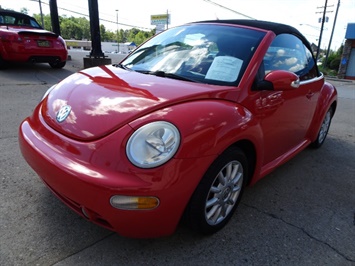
(153, 144)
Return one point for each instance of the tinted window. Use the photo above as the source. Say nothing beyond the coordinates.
(287, 52)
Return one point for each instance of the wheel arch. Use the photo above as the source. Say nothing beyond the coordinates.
(248, 148)
(328, 99)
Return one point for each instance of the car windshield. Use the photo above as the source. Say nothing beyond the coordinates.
(18, 20)
(205, 53)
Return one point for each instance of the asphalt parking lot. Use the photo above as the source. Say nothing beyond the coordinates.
(301, 214)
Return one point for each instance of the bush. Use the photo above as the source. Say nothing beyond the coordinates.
(334, 64)
(327, 71)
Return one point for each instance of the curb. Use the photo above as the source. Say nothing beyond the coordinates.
(340, 80)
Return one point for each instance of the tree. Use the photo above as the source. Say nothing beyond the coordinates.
(84, 25)
(138, 36)
(24, 10)
(122, 36)
(334, 58)
(79, 29)
(70, 30)
(46, 19)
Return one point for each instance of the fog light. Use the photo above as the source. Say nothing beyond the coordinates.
(134, 202)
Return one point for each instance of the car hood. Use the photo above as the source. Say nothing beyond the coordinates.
(96, 101)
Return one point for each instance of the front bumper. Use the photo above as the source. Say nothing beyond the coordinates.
(85, 175)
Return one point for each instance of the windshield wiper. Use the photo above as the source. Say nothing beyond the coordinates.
(163, 74)
(121, 66)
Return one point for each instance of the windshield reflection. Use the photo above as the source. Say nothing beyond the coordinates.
(205, 53)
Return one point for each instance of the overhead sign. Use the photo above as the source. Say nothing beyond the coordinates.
(160, 19)
(159, 28)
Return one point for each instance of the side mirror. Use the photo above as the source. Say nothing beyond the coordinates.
(281, 80)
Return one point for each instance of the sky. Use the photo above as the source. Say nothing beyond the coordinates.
(301, 14)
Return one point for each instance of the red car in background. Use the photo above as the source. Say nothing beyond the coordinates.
(178, 129)
(22, 39)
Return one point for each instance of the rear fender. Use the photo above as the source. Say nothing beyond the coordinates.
(327, 98)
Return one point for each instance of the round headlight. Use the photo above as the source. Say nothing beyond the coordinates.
(153, 144)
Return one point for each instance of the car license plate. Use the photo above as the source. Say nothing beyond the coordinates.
(43, 43)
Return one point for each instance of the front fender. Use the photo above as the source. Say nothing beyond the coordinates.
(328, 97)
(207, 127)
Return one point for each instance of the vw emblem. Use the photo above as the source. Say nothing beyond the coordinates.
(63, 113)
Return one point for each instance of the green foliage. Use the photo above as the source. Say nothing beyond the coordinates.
(334, 64)
(46, 20)
(79, 29)
(75, 28)
(121, 37)
(334, 58)
(328, 71)
(24, 10)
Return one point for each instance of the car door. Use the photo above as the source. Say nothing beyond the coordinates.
(285, 116)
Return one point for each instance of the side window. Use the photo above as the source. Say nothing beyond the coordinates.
(287, 52)
(311, 70)
(9, 20)
(34, 23)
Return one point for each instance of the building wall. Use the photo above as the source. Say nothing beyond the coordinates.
(347, 61)
(106, 47)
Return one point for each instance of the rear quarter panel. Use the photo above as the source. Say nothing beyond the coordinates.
(327, 98)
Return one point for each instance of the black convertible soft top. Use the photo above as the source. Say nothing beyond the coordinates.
(277, 28)
(13, 13)
(16, 16)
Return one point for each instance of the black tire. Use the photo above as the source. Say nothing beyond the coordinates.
(219, 192)
(323, 131)
(57, 64)
(3, 63)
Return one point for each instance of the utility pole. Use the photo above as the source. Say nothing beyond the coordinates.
(96, 57)
(40, 9)
(117, 30)
(53, 8)
(331, 36)
(167, 19)
(321, 29)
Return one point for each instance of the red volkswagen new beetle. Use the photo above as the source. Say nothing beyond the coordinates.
(178, 129)
(22, 39)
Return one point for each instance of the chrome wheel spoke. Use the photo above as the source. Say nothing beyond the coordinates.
(324, 127)
(229, 171)
(223, 212)
(237, 179)
(217, 214)
(211, 202)
(230, 201)
(224, 193)
(236, 189)
(215, 190)
(221, 178)
(235, 171)
(213, 213)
